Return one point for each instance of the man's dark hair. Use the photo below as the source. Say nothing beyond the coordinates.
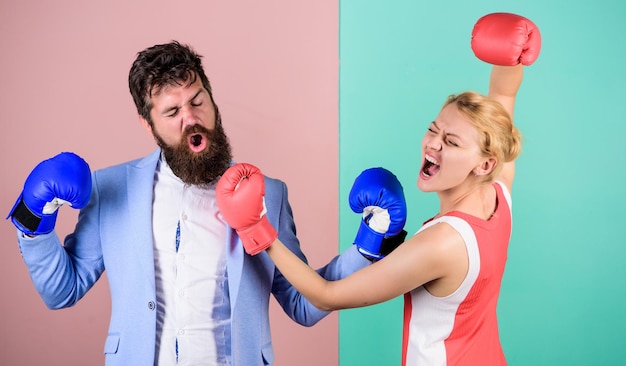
(163, 65)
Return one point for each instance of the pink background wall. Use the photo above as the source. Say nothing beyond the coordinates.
(63, 70)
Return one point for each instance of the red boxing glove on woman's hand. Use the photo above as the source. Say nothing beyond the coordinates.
(506, 39)
(240, 195)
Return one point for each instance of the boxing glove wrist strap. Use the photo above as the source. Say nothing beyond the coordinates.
(24, 218)
(258, 237)
(390, 243)
(368, 241)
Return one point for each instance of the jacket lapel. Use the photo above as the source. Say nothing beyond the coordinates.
(140, 181)
(234, 265)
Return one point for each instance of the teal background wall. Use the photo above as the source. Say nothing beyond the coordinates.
(563, 294)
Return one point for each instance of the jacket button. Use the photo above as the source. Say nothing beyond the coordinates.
(151, 305)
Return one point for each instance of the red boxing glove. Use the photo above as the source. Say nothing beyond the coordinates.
(506, 39)
(240, 197)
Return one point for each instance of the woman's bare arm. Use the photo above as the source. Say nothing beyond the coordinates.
(428, 255)
(503, 86)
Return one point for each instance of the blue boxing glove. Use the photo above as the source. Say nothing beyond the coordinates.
(378, 195)
(63, 179)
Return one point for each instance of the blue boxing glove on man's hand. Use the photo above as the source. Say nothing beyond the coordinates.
(62, 179)
(378, 195)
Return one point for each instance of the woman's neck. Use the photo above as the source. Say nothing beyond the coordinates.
(475, 199)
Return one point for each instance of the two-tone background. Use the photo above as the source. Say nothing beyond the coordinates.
(313, 93)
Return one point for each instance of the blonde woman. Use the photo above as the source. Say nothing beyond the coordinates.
(451, 270)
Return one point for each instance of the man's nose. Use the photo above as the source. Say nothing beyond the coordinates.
(188, 116)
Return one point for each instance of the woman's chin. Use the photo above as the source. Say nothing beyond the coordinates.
(424, 183)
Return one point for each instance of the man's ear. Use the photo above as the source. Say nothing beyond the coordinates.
(486, 166)
(146, 125)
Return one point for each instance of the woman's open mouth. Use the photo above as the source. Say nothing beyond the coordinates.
(430, 166)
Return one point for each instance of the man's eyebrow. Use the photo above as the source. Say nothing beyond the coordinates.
(170, 109)
(195, 95)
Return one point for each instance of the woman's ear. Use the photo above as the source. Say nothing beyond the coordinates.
(485, 167)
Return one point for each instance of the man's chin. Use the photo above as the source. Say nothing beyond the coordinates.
(197, 165)
(198, 168)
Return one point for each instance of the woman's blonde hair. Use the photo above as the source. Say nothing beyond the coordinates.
(499, 137)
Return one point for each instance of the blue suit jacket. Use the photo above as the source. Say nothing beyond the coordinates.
(114, 232)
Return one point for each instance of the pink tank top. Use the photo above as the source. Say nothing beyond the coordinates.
(462, 328)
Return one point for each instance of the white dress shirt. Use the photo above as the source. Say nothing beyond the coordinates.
(193, 309)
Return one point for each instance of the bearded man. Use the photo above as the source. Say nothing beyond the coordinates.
(183, 290)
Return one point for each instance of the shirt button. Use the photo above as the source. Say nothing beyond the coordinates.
(181, 331)
(184, 217)
(181, 293)
(151, 305)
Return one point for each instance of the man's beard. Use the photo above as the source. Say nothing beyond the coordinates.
(198, 168)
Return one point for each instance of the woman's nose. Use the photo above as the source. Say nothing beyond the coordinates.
(434, 144)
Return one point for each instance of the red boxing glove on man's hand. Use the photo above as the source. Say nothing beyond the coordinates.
(506, 39)
(240, 195)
